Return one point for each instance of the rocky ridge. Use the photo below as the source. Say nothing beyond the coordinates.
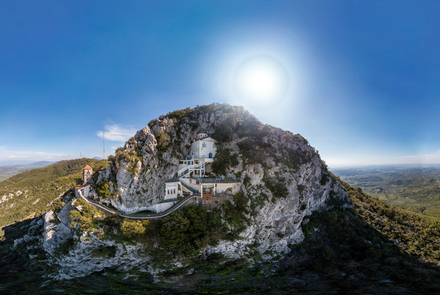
(284, 160)
(282, 178)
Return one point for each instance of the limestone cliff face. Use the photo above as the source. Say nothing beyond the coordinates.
(151, 157)
(282, 176)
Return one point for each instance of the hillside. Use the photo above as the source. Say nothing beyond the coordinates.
(288, 224)
(415, 189)
(372, 249)
(8, 171)
(280, 177)
(31, 193)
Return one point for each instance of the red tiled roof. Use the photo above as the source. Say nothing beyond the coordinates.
(84, 185)
(205, 138)
(87, 167)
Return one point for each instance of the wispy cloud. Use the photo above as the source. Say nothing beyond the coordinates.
(30, 155)
(2, 147)
(117, 133)
(18, 157)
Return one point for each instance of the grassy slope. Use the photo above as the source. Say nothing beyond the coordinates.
(413, 189)
(39, 187)
(372, 248)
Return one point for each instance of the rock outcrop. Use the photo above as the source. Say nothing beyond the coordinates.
(56, 229)
(282, 176)
(282, 180)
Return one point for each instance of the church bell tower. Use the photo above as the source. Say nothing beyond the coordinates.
(87, 174)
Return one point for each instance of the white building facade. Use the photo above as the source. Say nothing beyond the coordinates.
(203, 147)
(191, 176)
(85, 189)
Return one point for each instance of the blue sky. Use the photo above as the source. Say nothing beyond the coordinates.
(363, 75)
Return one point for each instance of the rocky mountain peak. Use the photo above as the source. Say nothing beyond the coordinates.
(280, 174)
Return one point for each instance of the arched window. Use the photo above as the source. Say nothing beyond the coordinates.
(210, 155)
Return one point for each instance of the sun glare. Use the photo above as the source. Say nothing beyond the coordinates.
(260, 79)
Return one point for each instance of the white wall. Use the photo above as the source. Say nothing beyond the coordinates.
(87, 176)
(82, 191)
(201, 148)
(222, 187)
(172, 190)
(160, 207)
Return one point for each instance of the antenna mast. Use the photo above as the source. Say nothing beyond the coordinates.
(103, 144)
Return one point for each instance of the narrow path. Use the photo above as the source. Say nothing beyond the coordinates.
(152, 215)
(143, 216)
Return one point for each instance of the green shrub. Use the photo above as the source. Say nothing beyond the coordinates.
(325, 177)
(247, 181)
(131, 229)
(111, 158)
(103, 190)
(235, 213)
(179, 114)
(277, 187)
(88, 218)
(104, 251)
(173, 230)
(113, 220)
(223, 132)
(57, 205)
(223, 159)
(162, 141)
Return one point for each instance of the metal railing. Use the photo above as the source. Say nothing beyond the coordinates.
(143, 216)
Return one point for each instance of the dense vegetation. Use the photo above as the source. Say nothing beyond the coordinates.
(256, 141)
(32, 192)
(413, 234)
(372, 248)
(102, 189)
(185, 231)
(411, 188)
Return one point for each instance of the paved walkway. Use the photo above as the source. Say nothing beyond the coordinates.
(141, 216)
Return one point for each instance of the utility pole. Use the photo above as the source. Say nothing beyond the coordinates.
(103, 144)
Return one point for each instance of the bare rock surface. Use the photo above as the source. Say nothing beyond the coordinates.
(137, 180)
(56, 231)
(84, 258)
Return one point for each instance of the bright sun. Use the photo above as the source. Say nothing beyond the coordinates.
(260, 79)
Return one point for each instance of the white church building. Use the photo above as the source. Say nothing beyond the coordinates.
(191, 177)
(203, 147)
(85, 189)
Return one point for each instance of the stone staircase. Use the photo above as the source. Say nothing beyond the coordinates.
(187, 187)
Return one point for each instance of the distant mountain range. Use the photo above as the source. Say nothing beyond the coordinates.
(8, 171)
(293, 227)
